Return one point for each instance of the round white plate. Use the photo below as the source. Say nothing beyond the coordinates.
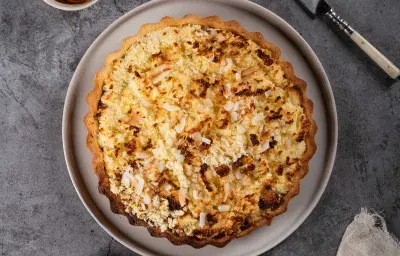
(254, 18)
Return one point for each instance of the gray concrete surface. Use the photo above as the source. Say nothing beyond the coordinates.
(40, 47)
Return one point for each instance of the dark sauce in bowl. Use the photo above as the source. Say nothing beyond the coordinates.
(73, 1)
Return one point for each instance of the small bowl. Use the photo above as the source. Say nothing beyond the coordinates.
(69, 7)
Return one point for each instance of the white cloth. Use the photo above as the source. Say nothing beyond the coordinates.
(367, 235)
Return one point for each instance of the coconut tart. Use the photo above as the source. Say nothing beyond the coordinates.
(199, 130)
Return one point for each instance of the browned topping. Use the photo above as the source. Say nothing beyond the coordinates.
(130, 146)
(205, 85)
(211, 219)
(260, 91)
(222, 170)
(148, 145)
(206, 52)
(254, 140)
(118, 177)
(224, 45)
(240, 44)
(102, 105)
(173, 203)
(157, 55)
(193, 92)
(250, 168)
(224, 123)
(203, 169)
(135, 129)
(196, 45)
(273, 142)
(239, 162)
(205, 146)
(275, 114)
(266, 203)
(243, 160)
(133, 164)
(130, 69)
(234, 53)
(243, 89)
(245, 92)
(162, 180)
(185, 152)
(288, 162)
(246, 225)
(279, 171)
(116, 152)
(242, 38)
(137, 74)
(264, 57)
(301, 136)
(269, 200)
(212, 40)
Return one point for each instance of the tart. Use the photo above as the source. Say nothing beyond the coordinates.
(199, 130)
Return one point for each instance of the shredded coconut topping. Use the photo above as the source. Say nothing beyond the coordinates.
(190, 124)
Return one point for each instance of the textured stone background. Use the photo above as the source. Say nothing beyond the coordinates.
(40, 47)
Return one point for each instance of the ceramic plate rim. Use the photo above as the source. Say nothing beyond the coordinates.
(288, 31)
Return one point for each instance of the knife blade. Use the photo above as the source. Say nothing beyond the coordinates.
(322, 8)
(309, 6)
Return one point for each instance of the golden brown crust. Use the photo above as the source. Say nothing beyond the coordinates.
(94, 96)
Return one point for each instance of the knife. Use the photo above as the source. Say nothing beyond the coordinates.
(322, 8)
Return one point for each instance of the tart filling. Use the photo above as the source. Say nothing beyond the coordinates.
(202, 131)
